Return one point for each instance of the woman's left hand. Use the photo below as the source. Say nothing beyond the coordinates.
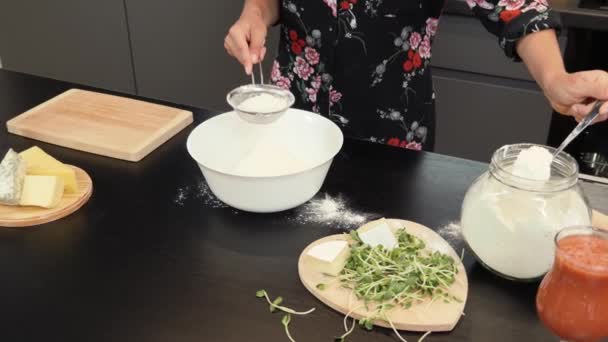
(573, 94)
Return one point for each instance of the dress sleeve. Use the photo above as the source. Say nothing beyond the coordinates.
(511, 20)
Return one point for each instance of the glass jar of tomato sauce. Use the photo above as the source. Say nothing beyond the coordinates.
(572, 300)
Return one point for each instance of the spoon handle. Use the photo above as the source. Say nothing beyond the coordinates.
(595, 111)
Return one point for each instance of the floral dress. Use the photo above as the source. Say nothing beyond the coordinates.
(365, 64)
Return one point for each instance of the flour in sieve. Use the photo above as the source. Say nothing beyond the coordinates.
(333, 211)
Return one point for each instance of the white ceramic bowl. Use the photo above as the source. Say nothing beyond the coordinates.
(230, 153)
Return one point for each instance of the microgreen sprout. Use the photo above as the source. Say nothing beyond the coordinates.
(403, 276)
(347, 330)
(285, 321)
(321, 286)
(275, 305)
(424, 336)
(406, 275)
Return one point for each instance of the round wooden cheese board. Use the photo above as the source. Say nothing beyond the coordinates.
(16, 216)
(425, 316)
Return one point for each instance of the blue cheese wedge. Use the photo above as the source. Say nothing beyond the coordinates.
(378, 233)
(329, 257)
(12, 174)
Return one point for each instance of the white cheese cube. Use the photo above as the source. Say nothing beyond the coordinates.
(329, 257)
(378, 233)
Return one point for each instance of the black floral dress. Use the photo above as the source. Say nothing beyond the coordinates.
(365, 64)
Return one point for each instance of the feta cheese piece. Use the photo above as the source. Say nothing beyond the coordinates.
(378, 233)
(42, 191)
(329, 257)
(12, 174)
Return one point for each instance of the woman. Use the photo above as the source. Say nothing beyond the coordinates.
(366, 63)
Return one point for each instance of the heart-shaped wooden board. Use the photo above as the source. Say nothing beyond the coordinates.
(425, 316)
(600, 220)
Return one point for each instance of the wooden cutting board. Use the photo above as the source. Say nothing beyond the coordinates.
(426, 316)
(600, 220)
(107, 125)
(11, 216)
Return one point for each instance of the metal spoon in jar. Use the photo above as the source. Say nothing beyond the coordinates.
(595, 111)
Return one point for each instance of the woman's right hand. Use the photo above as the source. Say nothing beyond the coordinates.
(246, 39)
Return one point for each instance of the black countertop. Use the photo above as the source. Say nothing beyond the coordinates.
(572, 15)
(136, 264)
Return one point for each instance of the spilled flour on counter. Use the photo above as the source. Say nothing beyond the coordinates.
(200, 192)
(332, 211)
(451, 232)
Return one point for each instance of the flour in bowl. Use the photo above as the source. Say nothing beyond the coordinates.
(533, 163)
(263, 103)
(269, 159)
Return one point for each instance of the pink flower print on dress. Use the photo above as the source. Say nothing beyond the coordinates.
(302, 68)
(316, 82)
(538, 6)
(415, 40)
(431, 26)
(414, 146)
(283, 82)
(275, 73)
(333, 4)
(425, 47)
(312, 56)
(312, 94)
(481, 3)
(334, 96)
(511, 5)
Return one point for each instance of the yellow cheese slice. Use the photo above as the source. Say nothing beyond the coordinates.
(42, 191)
(39, 163)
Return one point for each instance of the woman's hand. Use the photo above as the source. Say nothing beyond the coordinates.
(573, 94)
(246, 39)
(569, 94)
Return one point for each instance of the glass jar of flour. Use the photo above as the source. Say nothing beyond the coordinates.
(509, 221)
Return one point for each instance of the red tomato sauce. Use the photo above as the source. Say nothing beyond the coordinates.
(572, 300)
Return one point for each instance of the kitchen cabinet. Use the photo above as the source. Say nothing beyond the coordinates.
(478, 114)
(178, 50)
(484, 99)
(463, 44)
(81, 41)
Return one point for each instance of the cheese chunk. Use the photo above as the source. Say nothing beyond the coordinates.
(41, 164)
(12, 174)
(378, 233)
(329, 257)
(42, 191)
